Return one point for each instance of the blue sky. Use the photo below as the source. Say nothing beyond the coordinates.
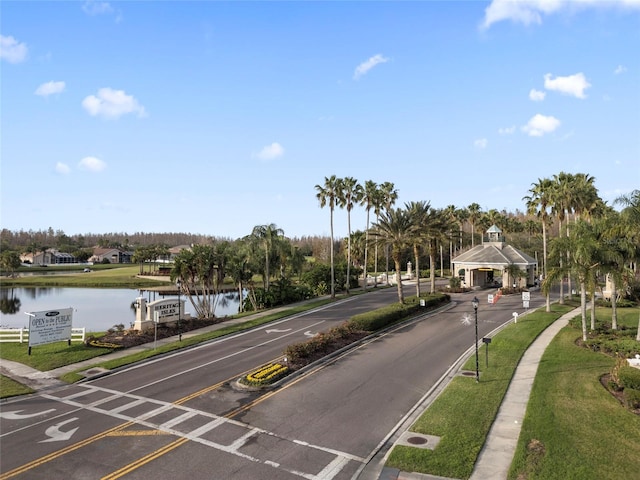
(213, 117)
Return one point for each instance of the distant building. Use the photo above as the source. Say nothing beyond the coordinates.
(112, 255)
(477, 267)
(51, 256)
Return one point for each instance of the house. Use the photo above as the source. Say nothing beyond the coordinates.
(110, 255)
(476, 267)
(51, 256)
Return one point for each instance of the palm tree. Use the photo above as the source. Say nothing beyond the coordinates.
(436, 232)
(474, 211)
(583, 244)
(350, 192)
(368, 201)
(328, 194)
(394, 228)
(537, 204)
(418, 214)
(265, 236)
(389, 197)
(630, 215)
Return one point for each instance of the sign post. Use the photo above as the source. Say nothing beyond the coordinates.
(526, 296)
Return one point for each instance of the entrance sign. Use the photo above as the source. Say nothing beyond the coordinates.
(50, 326)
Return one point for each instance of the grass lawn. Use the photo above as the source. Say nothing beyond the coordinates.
(463, 413)
(581, 430)
(11, 388)
(119, 277)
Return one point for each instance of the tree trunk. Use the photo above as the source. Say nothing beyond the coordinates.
(398, 280)
(366, 250)
(333, 276)
(348, 249)
(614, 306)
(583, 309)
(416, 254)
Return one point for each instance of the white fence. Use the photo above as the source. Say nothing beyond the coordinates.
(21, 335)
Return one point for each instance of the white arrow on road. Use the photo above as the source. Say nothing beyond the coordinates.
(16, 415)
(274, 330)
(310, 334)
(56, 435)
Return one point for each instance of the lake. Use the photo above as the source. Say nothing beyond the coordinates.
(96, 309)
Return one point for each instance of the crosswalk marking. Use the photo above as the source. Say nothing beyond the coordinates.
(181, 413)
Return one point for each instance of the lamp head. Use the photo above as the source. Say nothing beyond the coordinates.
(475, 302)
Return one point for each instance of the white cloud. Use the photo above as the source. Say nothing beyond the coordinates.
(481, 143)
(91, 7)
(50, 88)
(536, 95)
(572, 85)
(620, 69)
(530, 12)
(538, 125)
(507, 130)
(62, 168)
(111, 103)
(270, 152)
(92, 164)
(367, 65)
(12, 51)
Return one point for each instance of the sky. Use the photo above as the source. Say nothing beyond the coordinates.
(212, 117)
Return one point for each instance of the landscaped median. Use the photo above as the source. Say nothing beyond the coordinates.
(574, 427)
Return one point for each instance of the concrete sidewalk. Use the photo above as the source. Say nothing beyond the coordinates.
(496, 455)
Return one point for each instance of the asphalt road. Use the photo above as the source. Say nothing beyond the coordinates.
(182, 416)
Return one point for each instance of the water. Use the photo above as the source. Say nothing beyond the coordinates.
(96, 309)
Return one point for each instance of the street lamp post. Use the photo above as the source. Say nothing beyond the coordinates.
(475, 304)
(179, 284)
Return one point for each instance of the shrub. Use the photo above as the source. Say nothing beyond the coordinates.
(629, 377)
(632, 397)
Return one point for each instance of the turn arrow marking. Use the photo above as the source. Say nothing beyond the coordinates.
(273, 330)
(309, 334)
(16, 415)
(56, 435)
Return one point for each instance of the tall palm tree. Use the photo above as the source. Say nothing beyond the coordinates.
(538, 204)
(583, 244)
(389, 196)
(368, 201)
(265, 235)
(394, 229)
(475, 213)
(328, 194)
(561, 208)
(350, 192)
(418, 215)
(436, 232)
(630, 215)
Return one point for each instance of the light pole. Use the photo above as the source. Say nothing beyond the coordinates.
(475, 304)
(179, 284)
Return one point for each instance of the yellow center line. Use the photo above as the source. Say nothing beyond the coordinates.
(113, 432)
(146, 459)
(59, 453)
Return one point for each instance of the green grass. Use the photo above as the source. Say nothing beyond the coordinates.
(119, 277)
(11, 388)
(585, 431)
(462, 415)
(50, 356)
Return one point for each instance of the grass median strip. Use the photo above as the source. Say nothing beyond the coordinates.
(574, 428)
(463, 413)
